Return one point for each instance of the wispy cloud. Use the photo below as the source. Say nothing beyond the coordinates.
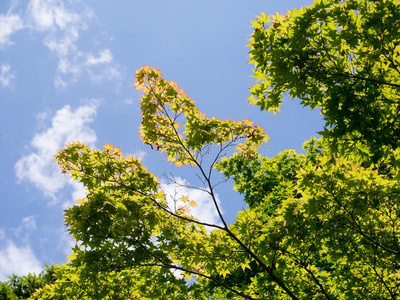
(128, 101)
(28, 224)
(204, 210)
(9, 24)
(51, 14)
(62, 27)
(17, 260)
(16, 256)
(104, 56)
(39, 167)
(98, 66)
(6, 77)
(61, 23)
(65, 241)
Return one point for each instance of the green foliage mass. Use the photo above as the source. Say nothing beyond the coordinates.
(340, 56)
(326, 222)
(319, 225)
(22, 287)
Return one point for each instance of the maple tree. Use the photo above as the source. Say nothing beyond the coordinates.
(22, 287)
(340, 56)
(319, 225)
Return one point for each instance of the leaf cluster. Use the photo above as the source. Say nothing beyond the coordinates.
(22, 287)
(340, 56)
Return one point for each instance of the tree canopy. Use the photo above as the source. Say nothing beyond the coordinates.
(22, 287)
(320, 225)
(340, 56)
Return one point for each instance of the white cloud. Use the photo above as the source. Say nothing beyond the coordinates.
(108, 73)
(59, 83)
(61, 22)
(78, 192)
(104, 56)
(100, 67)
(28, 224)
(65, 241)
(6, 76)
(13, 4)
(65, 66)
(205, 210)
(17, 260)
(62, 27)
(64, 45)
(48, 14)
(128, 101)
(14, 259)
(8, 25)
(39, 166)
(42, 116)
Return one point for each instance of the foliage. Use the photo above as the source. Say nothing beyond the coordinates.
(341, 56)
(84, 282)
(320, 225)
(336, 225)
(22, 287)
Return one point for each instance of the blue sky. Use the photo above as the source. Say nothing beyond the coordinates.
(66, 73)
